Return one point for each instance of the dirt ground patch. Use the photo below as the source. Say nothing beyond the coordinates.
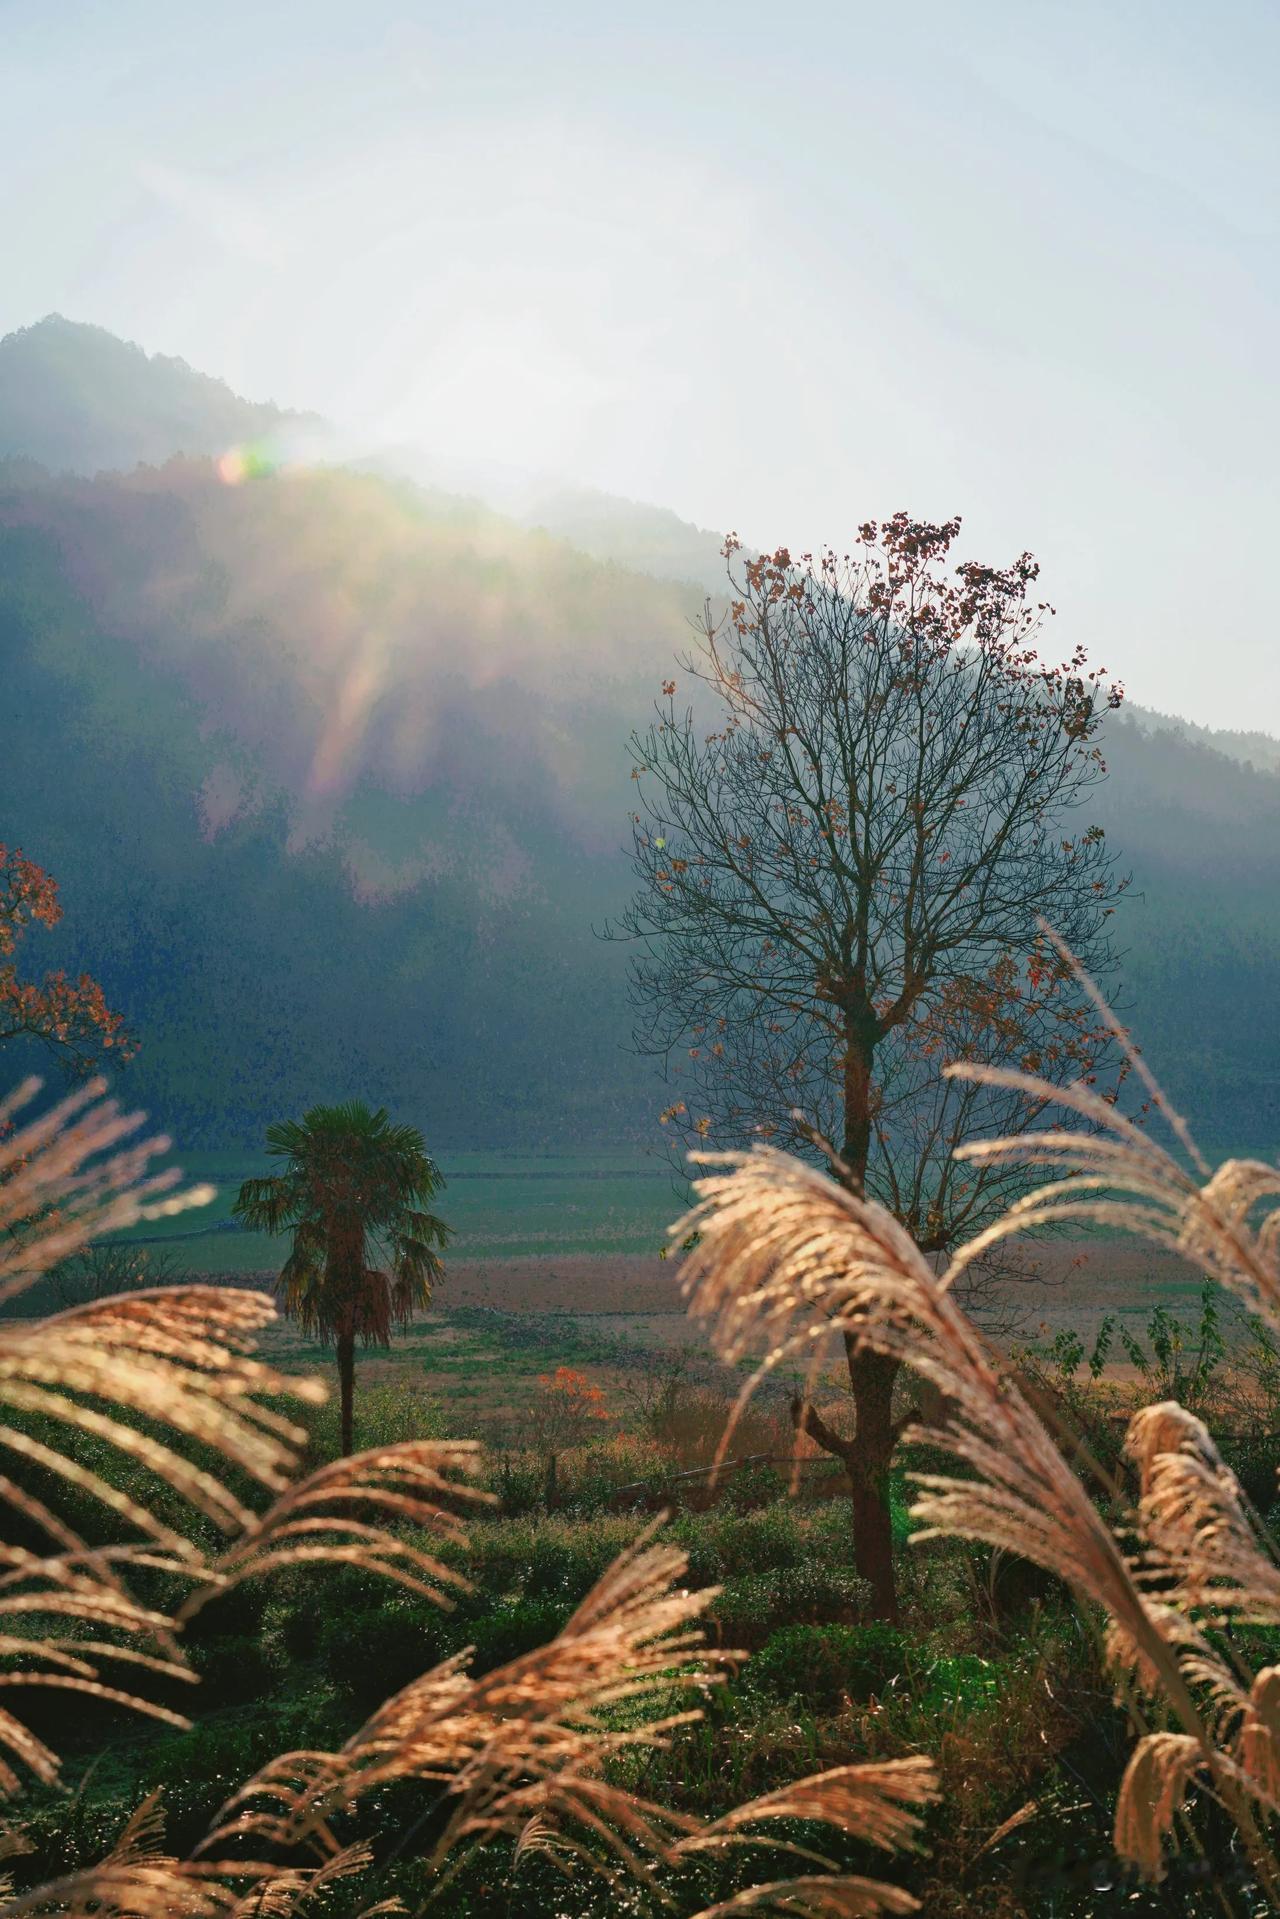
(548, 1283)
(1074, 1283)
(499, 1326)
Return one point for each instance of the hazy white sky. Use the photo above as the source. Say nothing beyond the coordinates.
(781, 268)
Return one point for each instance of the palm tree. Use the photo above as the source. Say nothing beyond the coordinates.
(365, 1252)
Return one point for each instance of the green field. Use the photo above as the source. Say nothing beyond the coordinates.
(501, 1205)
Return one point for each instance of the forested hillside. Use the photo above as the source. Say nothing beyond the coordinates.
(332, 772)
(1201, 928)
(330, 810)
(78, 400)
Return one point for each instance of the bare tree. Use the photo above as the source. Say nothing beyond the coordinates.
(842, 885)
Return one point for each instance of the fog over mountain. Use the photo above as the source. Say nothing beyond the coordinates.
(331, 767)
(78, 400)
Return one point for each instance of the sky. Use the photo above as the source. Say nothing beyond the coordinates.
(781, 269)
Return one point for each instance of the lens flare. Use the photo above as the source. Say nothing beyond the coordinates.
(241, 463)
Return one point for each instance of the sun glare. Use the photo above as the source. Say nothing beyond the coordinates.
(241, 463)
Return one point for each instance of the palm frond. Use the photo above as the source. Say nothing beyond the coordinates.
(353, 1195)
(269, 1204)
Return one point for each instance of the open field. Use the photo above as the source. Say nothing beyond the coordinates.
(500, 1205)
(581, 1233)
(501, 1324)
(555, 1262)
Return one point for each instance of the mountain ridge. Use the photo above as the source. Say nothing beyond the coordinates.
(78, 398)
(332, 771)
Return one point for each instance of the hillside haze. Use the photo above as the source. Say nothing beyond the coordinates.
(76, 399)
(331, 767)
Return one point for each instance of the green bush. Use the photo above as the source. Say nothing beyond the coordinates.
(233, 1667)
(373, 1651)
(1253, 1458)
(825, 1665)
(518, 1481)
(365, 1635)
(722, 1543)
(961, 1680)
(513, 1627)
(755, 1605)
(553, 1555)
(386, 1412)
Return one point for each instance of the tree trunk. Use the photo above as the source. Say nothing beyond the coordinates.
(872, 1377)
(346, 1389)
(866, 1458)
(346, 1258)
(857, 1106)
(868, 1455)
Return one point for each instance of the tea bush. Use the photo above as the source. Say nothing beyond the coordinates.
(826, 1666)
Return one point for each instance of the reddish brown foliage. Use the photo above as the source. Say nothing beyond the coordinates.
(69, 1015)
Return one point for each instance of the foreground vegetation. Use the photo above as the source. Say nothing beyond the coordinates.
(994, 1696)
(669, 1652)
(992, 1674)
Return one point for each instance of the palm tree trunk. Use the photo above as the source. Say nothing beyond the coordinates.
(346, 1389)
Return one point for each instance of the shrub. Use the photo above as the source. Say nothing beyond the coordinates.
(826, 1665)
(959, 1680)
(233, 1667)
(754, 1605)
(724, 1543)
(549, 1556)
(383, 1640)
(513, 1627)
(387, 1411)
(566, 1411)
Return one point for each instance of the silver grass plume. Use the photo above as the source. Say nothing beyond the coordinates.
(522, 1752)
(784, 1261)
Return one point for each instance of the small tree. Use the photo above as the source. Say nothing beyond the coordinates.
(353, 1192)
(843, 885)
(110, 1267)
(68, 1016)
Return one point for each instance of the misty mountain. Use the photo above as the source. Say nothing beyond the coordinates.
(75, 399)
(648, 539)
(78, 400)
(331, 768)
(1251, 748)
(333, 780)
